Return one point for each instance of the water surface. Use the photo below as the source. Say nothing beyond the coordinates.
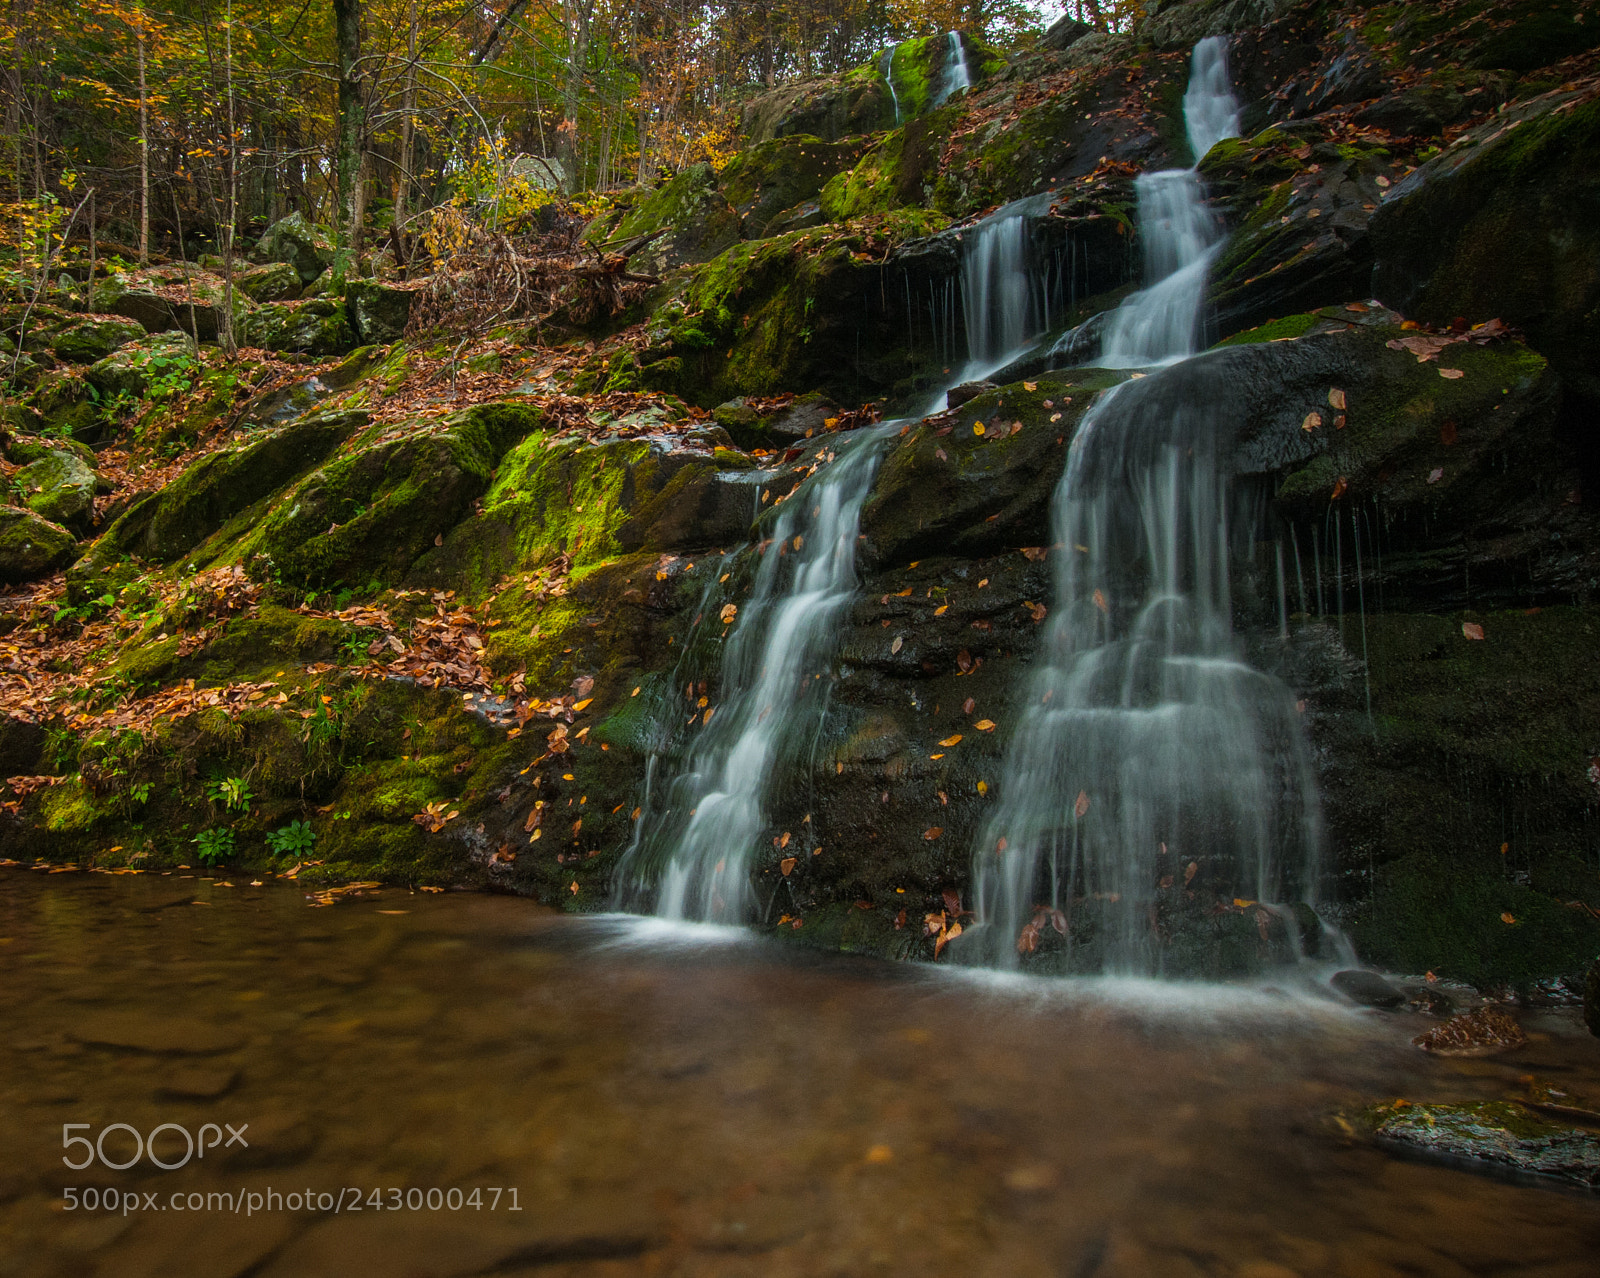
(672, 1099)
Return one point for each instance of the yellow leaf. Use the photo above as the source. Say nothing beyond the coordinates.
(728, 613)
(1030, 386)
(983, 787)
(941, 610)
(977, 428)
(950, 741)
(579, 705)
(984, 725)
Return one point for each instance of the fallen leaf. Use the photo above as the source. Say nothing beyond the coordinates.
(1034, 554)
(950, 741)
(581, 705)
(1448, 434)
(1336, 399)
(1472, 630)
(977, 428)
(728, 613)
(1100, 600)
(1030, 386)
(1340, 487)
(940, 454)
(964, 661)
(984, 725)
(898, 644)
(1312, 420)
(1508, 918)
(1451, 373)
(1436, 474)
(788, 863)
(1081, 807)
(968, 706)
(932, 832)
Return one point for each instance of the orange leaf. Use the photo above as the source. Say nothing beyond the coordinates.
(950, 741)
(1336, 399)
(1508, 918)
(788, 863)
(1472, 630)
(1100, 600)
(1312, 420)
(933, 832)
(984, 725)
(1339, 488)
(1081, 807)
(728, 613)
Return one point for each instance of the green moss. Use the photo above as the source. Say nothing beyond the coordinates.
(70, 808)
(1290, 326)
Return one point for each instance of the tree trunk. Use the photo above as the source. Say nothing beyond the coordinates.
(347, 166)
(144, 155)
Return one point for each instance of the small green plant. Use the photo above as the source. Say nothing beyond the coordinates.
(140, 793)
(294, 840)
(233, 793)
(215, 844)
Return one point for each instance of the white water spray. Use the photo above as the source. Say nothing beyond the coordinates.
(957, 79)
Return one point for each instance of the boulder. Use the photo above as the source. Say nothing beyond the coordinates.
(1505, 223)
(60, 486)
(774, 177)
(315, 327)
(31, 546)
(94, 338)
(219, 486)
(1366, 988)
(273, 282)
(1063, 32)
(296, 242)
(378, 312)
(696, 220)
(130, 369)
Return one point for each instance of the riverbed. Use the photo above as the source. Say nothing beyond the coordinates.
(459, 1084)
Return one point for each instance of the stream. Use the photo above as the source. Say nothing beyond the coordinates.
(681, 1099)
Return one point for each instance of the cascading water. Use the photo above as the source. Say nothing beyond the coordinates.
(1153, 769)
(692, 854)
(956, 77)
(888, 78)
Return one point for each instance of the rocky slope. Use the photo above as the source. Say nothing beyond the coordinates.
(434, 603)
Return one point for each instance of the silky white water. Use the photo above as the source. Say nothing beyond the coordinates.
(956, 77)
(1179, 232)
(698, 835)
(1153, 770)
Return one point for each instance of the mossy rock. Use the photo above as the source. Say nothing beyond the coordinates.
(1495, 1136)
(315, 327)
(223, 484)
(94, 339)
(378, 312)
(974, 491)
(296, 242)
(772, 177)
(31, 546)
(372, 512)
(130, 369)
(1503, 225)
(274, 282)
(829, 107)
(65, 486)
(699, 222)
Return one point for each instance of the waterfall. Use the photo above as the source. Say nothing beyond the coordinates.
(693, 851)
(956, 77)
(1210, 111)
(997, 287)
(1153, 770)
(888, 78)
(693, 859)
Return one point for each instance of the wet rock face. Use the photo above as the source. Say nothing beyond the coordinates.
(1502, 224)
(1591, 999)
(1367, 988)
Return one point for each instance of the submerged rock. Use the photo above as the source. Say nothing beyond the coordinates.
(1367, 988)
(1481, 1033)
(1492, 1135)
